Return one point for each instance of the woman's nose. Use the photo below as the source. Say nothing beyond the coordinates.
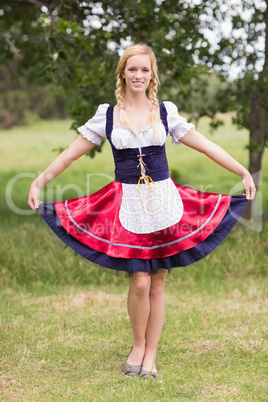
(138, 74)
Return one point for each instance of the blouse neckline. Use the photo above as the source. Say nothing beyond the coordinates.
(140, 130)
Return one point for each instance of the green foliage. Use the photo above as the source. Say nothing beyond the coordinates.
(59, 150)
(254, 146)
(208, 97)
(81, 60)
(176, 176)
(75, 45)
(20, 102)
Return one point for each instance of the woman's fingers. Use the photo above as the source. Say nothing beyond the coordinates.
(249, 187)
(33, 202)
(33, 199)
(252, 189)
(252, 192)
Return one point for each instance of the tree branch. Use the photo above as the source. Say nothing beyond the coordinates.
(36, 3)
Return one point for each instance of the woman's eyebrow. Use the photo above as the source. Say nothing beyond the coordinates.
(138, 66)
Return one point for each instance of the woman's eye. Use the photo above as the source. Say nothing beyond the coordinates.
(134, 69)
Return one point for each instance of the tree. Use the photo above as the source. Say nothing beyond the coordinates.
(246, 47)
(75, 45)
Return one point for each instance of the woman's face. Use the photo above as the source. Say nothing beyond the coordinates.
(138, 73)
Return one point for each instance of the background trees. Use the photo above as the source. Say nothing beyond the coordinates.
(75, 46)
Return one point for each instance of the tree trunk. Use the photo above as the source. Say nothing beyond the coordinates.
(258, 125)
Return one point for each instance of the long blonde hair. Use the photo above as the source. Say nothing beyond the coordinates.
(121, 86)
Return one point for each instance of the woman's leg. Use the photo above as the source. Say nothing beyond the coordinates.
(138, 310)
(155, 319)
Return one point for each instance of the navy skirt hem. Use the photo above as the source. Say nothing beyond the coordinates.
(181, 259)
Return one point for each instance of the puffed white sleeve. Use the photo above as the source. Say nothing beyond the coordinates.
(94, 129)
(177, 125)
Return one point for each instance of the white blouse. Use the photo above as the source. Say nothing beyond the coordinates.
(143, 209)
(122, 137)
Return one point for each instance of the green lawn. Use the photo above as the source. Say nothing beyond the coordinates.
(65, 333)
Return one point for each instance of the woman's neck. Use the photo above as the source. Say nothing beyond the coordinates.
(136, 101)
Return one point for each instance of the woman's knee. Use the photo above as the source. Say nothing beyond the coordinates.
(140, 286)
(157, 287)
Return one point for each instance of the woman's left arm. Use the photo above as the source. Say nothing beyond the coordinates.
(197, 141)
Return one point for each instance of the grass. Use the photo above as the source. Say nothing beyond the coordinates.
(64, 330)
(71, 345)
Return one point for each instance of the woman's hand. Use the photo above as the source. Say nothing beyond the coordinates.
(249, 186)
(34, 194)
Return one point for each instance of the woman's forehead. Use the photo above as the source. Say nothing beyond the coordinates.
(139, 60)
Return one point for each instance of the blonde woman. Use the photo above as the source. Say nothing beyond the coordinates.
(143, 222)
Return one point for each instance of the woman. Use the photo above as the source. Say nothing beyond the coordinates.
(156, 223)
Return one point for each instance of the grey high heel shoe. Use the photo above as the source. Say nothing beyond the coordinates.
(148, 374)
(131, 370)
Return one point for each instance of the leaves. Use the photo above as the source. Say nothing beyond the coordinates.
(76, 45)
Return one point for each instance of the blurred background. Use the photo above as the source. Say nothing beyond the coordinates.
(64, 329)
(58, 61)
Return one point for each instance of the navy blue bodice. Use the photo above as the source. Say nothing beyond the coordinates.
(127, 161)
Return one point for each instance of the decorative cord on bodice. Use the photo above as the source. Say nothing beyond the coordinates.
(145, 178)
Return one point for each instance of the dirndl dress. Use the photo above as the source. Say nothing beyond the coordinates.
(142, 221)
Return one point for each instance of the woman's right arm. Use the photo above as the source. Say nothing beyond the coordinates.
(78, 147)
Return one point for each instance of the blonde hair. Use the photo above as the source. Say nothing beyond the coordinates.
(121, 86)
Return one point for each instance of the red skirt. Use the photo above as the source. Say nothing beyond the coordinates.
(91, 226)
